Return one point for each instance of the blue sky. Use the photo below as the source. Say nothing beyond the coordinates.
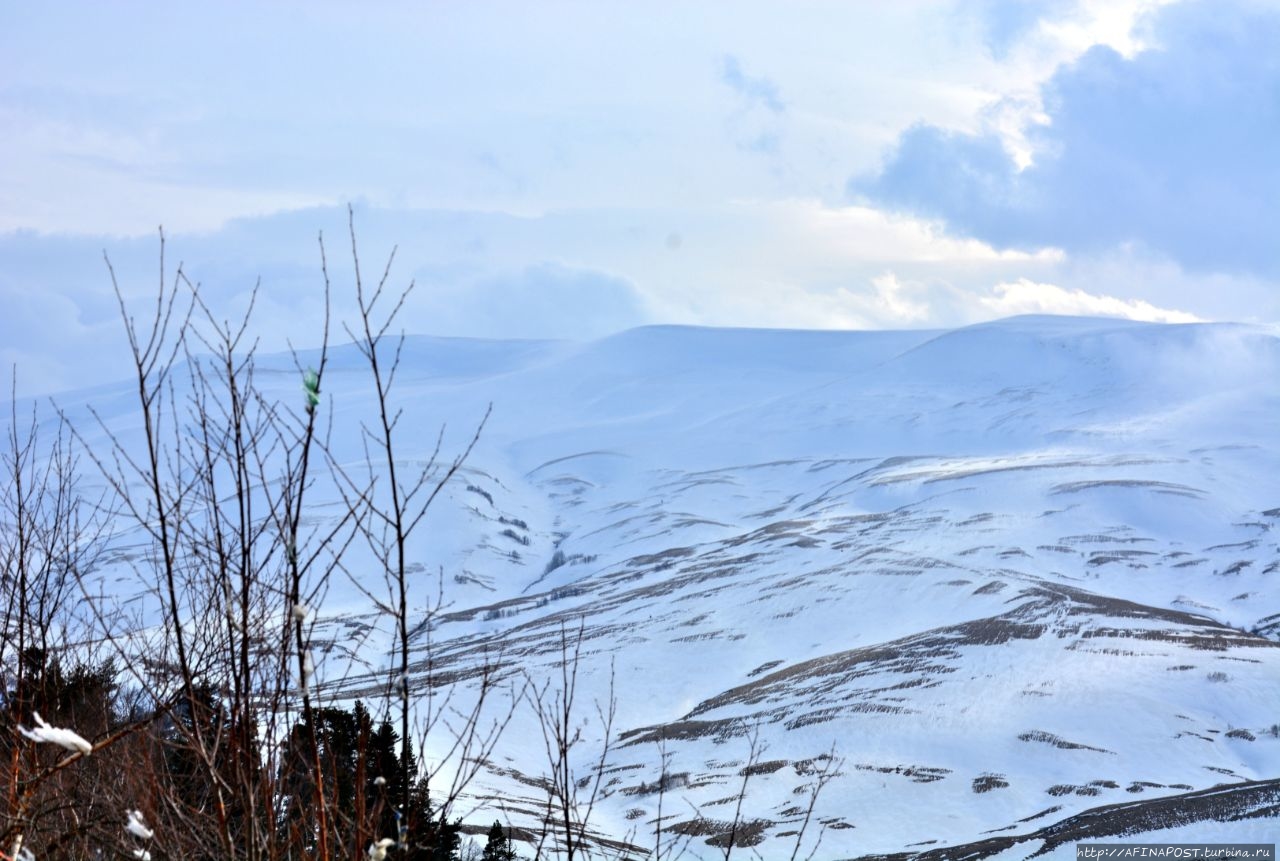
(570, 169)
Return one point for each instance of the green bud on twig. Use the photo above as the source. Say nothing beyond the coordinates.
(311, 386)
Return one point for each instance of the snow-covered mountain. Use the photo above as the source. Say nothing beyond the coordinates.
(1017, 582)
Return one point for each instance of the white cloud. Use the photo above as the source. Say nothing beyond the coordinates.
(442, 107)
(1102, 22)
(1031, 297)
(893, 298)
(582, 274)
(868, 235)
(1015, 80)
(1135, 272)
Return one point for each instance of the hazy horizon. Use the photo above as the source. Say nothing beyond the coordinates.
(566, 171)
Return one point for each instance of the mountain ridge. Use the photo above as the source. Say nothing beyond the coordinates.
(991, 570)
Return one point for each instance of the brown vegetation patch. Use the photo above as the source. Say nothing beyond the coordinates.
(1067, 789)
(1142, 785)
(764, 767)
(988, 782)
(683, 730)
(1215, 641)
(724, 834)
(667, 782)
(1063, 744)
(1043, 813)
(1227, 803)
(657, 559)
(765, 667)
(1157, 486)
(915, 773)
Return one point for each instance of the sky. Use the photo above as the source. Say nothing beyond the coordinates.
(571, 169)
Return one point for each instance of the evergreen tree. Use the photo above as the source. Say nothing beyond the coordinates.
(201, 718)
(67, 808)
(333, 737)
(382, 779)
(83, 697)
(498, 848)
(431, 836)
(363, 779)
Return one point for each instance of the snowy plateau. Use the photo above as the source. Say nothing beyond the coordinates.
(1019, 581)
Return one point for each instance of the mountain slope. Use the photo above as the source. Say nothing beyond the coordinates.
(999, 577)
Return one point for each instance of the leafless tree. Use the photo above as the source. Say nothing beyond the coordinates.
(391, 504)
(822, 775)
(49, 533)
(216, 480)
(571, 796)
